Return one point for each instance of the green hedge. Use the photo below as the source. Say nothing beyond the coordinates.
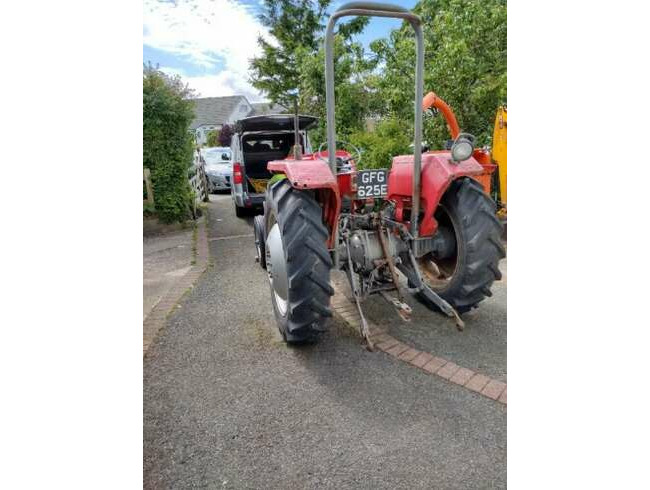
(166, 143)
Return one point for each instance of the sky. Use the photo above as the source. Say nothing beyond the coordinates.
(209, 42)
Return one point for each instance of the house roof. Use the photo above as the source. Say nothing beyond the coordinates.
(264, 108)
(214, 110)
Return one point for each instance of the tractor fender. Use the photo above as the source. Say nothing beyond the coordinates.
(438, 172)
(306, 173)
(312, 173)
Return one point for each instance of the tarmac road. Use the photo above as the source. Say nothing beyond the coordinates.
(228, 405)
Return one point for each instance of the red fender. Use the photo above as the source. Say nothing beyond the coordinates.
(314, 173)
(438, 172)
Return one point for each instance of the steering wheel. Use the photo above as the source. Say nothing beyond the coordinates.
(340, 161)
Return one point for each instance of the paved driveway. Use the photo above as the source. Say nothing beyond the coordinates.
(166, 258)
(228, 405)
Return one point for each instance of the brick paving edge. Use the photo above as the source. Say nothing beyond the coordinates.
(449, 371)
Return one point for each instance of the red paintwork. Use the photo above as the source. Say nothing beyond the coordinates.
(308, 173)
(437, 174)
(313, 172)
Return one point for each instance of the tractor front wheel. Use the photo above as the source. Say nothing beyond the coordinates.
(298, 262)
(464, 271)
(240, 212)
(260, 236)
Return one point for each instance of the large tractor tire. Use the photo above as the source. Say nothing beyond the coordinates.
(463, 274)
(298, 262)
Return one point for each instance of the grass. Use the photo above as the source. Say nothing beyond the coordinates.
(195, 236)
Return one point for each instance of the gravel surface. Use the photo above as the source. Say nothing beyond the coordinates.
(228, 405)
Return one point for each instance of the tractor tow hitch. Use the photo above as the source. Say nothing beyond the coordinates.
(365, 332)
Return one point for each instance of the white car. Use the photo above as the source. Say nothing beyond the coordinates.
(218, 167)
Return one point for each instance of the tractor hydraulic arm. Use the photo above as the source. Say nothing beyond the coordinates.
(431, 100)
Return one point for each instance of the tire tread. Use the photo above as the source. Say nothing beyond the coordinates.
(304, 237)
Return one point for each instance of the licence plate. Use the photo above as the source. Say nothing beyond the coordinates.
(372, 183)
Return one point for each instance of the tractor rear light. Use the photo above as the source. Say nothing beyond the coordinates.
(236, 173)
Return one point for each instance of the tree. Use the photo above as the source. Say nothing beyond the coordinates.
(166, 142)
(465, 64)
(378, 147)
(225, 135)
(212, 138)
(296, 26)
(354, 93)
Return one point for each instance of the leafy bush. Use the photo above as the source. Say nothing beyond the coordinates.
(212, 138)
(390, 138)
(166, 142)
(225, 135)
(466, 65)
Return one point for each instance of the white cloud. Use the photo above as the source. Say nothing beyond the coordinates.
(216, 35)
(219, 85)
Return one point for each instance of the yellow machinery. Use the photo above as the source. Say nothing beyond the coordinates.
(500, 155)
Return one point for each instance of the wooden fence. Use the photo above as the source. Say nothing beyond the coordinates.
(197, 179)
(146, 177)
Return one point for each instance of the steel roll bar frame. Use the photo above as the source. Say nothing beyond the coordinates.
(374, 9)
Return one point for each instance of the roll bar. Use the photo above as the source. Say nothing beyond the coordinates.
(375, 9)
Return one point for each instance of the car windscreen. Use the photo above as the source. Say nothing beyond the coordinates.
(216, 157)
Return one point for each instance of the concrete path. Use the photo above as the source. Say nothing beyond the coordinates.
(228, 405)
(166, 258)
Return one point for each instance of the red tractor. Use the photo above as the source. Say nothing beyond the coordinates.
(427, 217)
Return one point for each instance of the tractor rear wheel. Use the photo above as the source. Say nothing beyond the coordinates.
(465, 271)
(298, 262)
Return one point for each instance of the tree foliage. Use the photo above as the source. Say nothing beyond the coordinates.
(167, 142)
(212, 138)
(225, 135)
(296, 27)
(378, 147)
(465, 64)
(354, 94)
